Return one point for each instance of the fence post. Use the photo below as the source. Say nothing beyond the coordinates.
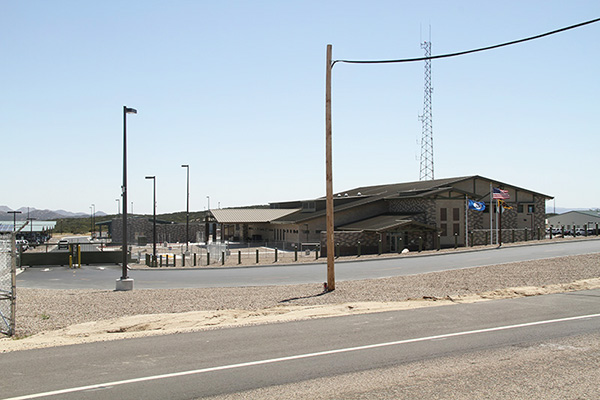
(257, 256)
(239, 256)
(276, 254)
(222, 258)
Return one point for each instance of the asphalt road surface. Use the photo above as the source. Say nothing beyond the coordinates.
(228, 361)
(104, 277)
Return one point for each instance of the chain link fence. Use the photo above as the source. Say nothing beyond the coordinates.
(7, 284)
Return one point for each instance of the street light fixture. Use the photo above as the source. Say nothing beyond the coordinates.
(187, 210)
(118, 206)
(125, 283)
(153, 221)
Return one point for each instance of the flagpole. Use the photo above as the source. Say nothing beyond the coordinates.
(500, 224)
(466, 221)
(491, 216)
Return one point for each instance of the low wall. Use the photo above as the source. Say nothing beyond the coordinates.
(62, 258)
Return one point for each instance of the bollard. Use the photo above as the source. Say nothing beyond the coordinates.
(487, 238)
(525, 234)
(166, 260)
(239, 257)
(337, 250)
(257, 256)
(380, 248)
(596, 229)
(78, 256)
(551, 227)
(194, 259)
(513, 235)
(472, 237)
(455, 241)
(585, 227)
(295, 252)
(207, 258)
(358, 249)
(183, 260)
(70, 261)
(174, 260)
(562, 231)
(420, 244)
(398, 246)
(276, 254)
(439, 242)
(317, 249)
(222, 258)
(161, 260)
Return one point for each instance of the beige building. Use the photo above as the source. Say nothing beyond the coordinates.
(422, 214)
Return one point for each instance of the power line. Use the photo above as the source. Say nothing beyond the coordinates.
(461, 53)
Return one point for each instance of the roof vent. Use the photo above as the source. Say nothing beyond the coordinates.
(345, 194)
(359, 194)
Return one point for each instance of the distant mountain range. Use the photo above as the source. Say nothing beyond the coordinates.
(42, 215)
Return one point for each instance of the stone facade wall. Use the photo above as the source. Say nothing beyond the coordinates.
(142, 228)
(347, 242)
(425, 207)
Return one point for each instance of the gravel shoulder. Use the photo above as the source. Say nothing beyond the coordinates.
(61, 317)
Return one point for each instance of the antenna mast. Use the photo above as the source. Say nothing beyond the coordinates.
(426, 171)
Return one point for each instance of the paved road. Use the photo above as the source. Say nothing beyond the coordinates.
(229, 361)
(103, 277)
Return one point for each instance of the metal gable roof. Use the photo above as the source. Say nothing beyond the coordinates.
(249, 215)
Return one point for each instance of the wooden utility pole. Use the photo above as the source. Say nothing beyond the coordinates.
(329, 177)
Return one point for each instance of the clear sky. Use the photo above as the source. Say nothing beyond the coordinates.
(236, 89)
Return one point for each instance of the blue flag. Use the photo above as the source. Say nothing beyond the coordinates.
(476, 205)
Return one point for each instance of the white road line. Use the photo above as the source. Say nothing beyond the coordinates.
(107, 385)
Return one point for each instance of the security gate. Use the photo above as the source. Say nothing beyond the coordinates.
(7, 284)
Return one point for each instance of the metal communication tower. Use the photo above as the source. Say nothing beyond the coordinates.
(426, 171)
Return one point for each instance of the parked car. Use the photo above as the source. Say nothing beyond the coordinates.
(63, 244)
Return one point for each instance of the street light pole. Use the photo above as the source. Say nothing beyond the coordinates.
(187, 212)
(125, 283)
(14, 213)
(153, 221)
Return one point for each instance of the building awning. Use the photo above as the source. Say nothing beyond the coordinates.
(382, 223)
(250, 215)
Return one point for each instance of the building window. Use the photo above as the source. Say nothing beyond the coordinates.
(444, 230)
(456, 229)
(309, 206)
(531, 208)
(443, 214)
(456, 214)
(520, 208)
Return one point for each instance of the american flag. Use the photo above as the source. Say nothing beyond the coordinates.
(500, 194)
